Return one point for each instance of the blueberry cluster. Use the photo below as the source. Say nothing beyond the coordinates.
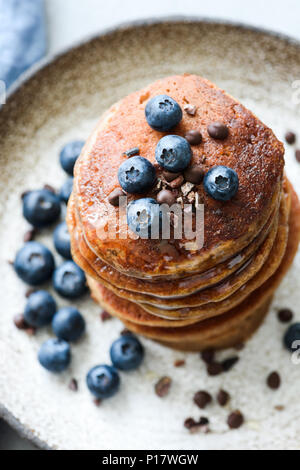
(67, 324)
(126, 354)
(174, 155)
(34, 264)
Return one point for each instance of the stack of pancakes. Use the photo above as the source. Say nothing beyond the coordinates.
(189, 299)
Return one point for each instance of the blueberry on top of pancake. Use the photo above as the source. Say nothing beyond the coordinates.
(163, 113)
(143, 217)
(136, 175)
(173, 153)
(221, 183)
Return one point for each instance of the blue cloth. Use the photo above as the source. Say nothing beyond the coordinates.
(22, 36)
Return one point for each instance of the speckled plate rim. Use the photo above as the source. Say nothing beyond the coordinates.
(50, 60)
(176, 19)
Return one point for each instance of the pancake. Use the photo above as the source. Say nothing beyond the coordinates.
(215, 296)
(129, 311)
(162, 289)
(218, 292)
(125, 309)
(238, 333)
(212, 334)
(155, 248)
(251, 149)
(237, 324)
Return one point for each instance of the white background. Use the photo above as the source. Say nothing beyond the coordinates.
(70, 21)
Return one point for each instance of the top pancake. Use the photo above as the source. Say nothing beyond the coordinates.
(251, 150)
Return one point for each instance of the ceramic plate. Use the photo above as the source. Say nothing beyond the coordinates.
(62, 101)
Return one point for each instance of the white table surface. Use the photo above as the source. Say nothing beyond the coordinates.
(70, 21)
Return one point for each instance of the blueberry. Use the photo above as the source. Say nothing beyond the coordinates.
(34, 263)
(163, 113)
(66, 189)
(55, 355)
(291, 336)
(221, 183)
(173, 153)
(103, 381)
(69, 280)
(136, 175)
(62, 241)
(41, 207)
(127, 353)
(68, 324)
(144, 217)
(39, 309)
(69, 155)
